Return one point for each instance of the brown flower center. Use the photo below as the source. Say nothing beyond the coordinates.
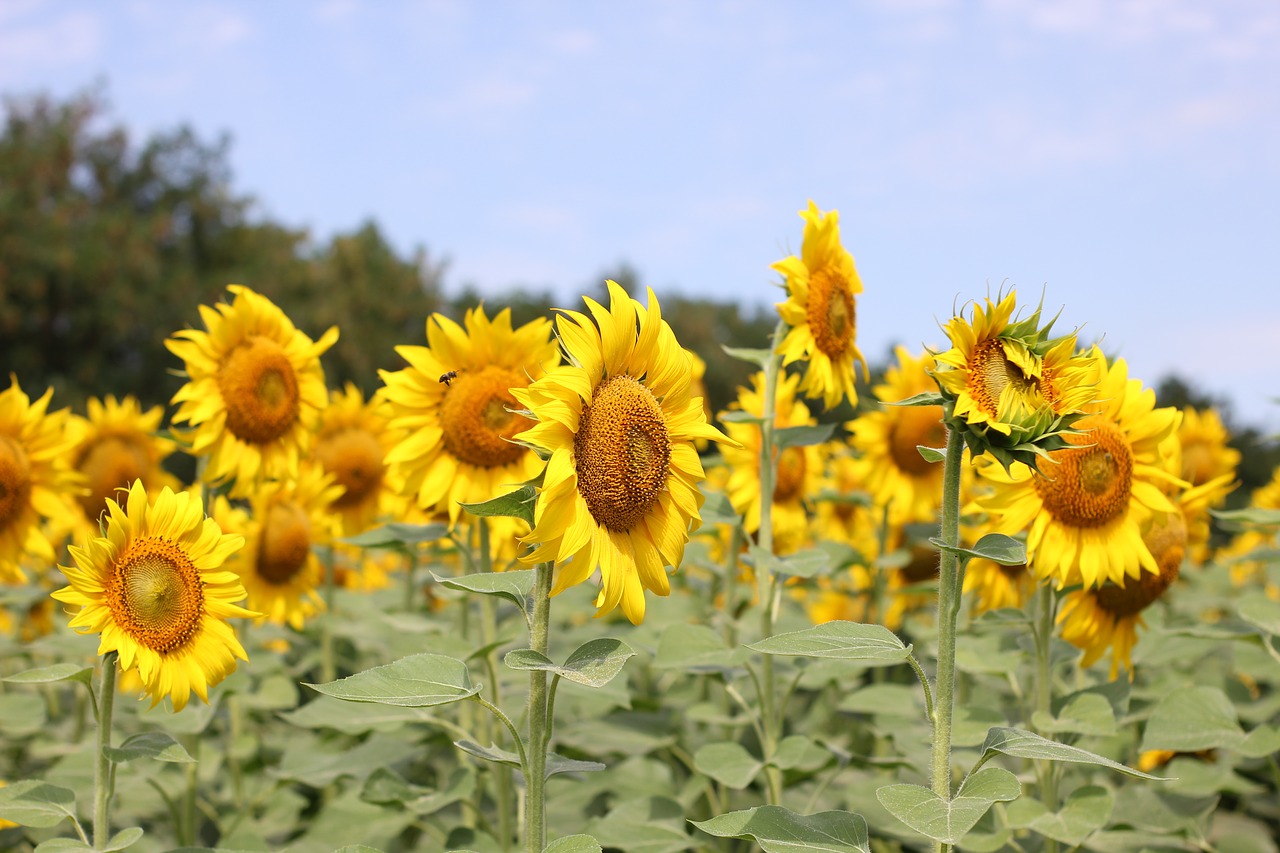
(155, 594)
(923, 565)
(110, 463)
(475, 419)
(1167, 539)
(285, 543)
(15, 482)
(622, 453)
(354, 457)
(831, 313)
(792, 466)
(911, 427)
(260, 390)
(1089, 486)
(1198, 462)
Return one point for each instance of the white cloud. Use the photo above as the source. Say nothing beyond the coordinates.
(33, 43)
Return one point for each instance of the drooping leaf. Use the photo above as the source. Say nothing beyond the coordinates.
(932, 454)
(1023, 744)
(396, 534)
(926, 398)
(35, 803)
(758, 357)
(996, 547)
(517, 504)
(52, 674)
(872, 644)
(418, 681)
(948, 820)
(513, 586)
(555, 763)
(156, 745)
(780, 830)
(593, 664)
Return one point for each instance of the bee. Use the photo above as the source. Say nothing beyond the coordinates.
(446, 378)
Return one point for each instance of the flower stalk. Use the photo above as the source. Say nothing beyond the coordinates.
(103, 778)
(768, 588)
(539, 723)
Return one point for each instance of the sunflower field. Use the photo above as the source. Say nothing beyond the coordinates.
(535, 594)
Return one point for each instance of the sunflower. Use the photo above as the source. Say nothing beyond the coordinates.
(155, 589)
(352, 443)
(117, 445)
(799, 469)
(35, 480)
(1084, 510)
(1013, 389)
(621, 484)
(820, 311)
(453, 406)
(993, 586)
(1206, 455)
(1107, 617)
(255, 389)
(889, 466)
(279, 566)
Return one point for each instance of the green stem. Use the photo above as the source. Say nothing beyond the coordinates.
(328, 670)
(192, 745)
(539, 726)
(102, 768)
(411, 558)
(1043, 634)
(729, 585)
(768, 584)
(488, 631)
(950, 581)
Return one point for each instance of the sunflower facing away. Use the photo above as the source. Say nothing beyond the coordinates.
(454, 408)
(820, 310)
(35, 480)
(279, 567)
(1085, 508)
(621, 485)
(156, 590)
(352, 443)
(117, 446)
(888, 464)
(255, 389)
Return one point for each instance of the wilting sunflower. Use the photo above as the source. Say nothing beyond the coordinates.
(820, 310)
(1107, 618)
(1085, 509)
(889, 467)
(35, 480)
(352, 443)
(155, 589)
(1012, 388)
(621, 485)
(279, 566)
(255, 389)
(116, 446)
(454, 408)
(799, 469)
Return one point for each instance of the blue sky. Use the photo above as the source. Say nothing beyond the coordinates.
(1121, 155)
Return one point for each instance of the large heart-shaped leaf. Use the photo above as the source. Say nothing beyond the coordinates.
(418, 681)
(871, 644)
(779, 830)
(156, 745)
(948, 820)
(593, 664)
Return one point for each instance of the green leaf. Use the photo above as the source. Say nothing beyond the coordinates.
(1191, 719)
(517, 504)
(1024, 744)
(716, 509)
(1258, 610)
(1261, 742)
(1087, 810)
(513, 586)
(555, 763)
(932, 454)
(798, 751)
(740, 417)
(872, 644)
(759, 357)
(1250, 516)
(996, 547)
(573, 844)
(36, 803)
(398, 535)
(158, 745)
(802, 436)
(728, 762)
(52, 674)
(593, 664)
(64, 845)
(1083, 713)
(695, 648)
(948, 820)
(418, 681)
(926, 398)
(804, 564)
(779, 830)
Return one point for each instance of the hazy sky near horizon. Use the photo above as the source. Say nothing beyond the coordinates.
(1123, 156)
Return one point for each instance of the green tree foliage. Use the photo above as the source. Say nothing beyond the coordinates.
(107, 249)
